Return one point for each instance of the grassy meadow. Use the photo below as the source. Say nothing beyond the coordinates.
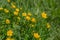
(29, 19)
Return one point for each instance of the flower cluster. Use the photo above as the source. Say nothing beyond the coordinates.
(20, 24)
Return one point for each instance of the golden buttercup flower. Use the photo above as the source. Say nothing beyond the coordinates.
(44, 15)
(8, 0)
(33, 20)
(36, 35)
(12, 5)
(16, 13)
(7, 21)
(9, 39)
(29, 14)
(17, 9)
(24, 14)
(48, 25)
(9, 33)
(1, 8)
(28, 18)
(6, 10)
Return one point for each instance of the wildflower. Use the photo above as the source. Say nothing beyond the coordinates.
(18, 18)
(8, 0)
(1, 8)
(33, 20)
(7, 21)
(9, 33)
(36, 35)
(28, 18)
(9, 39)
(48, 25)
(15, 13)
(12, 5)
(44, 15)
(29, 14)
(6, 10)
(17, 9)
(24, 14)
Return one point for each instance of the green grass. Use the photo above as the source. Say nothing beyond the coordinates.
(36, 7)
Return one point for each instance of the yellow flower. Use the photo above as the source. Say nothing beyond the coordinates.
(44, 15)
(16, 13)
(9, 39)
(28, 18)
(17, 9)
(48, 25)
(1, 8)
(6, 10)
(7, 21)
(29, 14)
(12, 5)
(18, 18)
(9, 33)
(8, 0)
(33, 20)
(24, 14)
(36, 35)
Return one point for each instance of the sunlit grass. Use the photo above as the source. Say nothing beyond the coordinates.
(29, 20)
